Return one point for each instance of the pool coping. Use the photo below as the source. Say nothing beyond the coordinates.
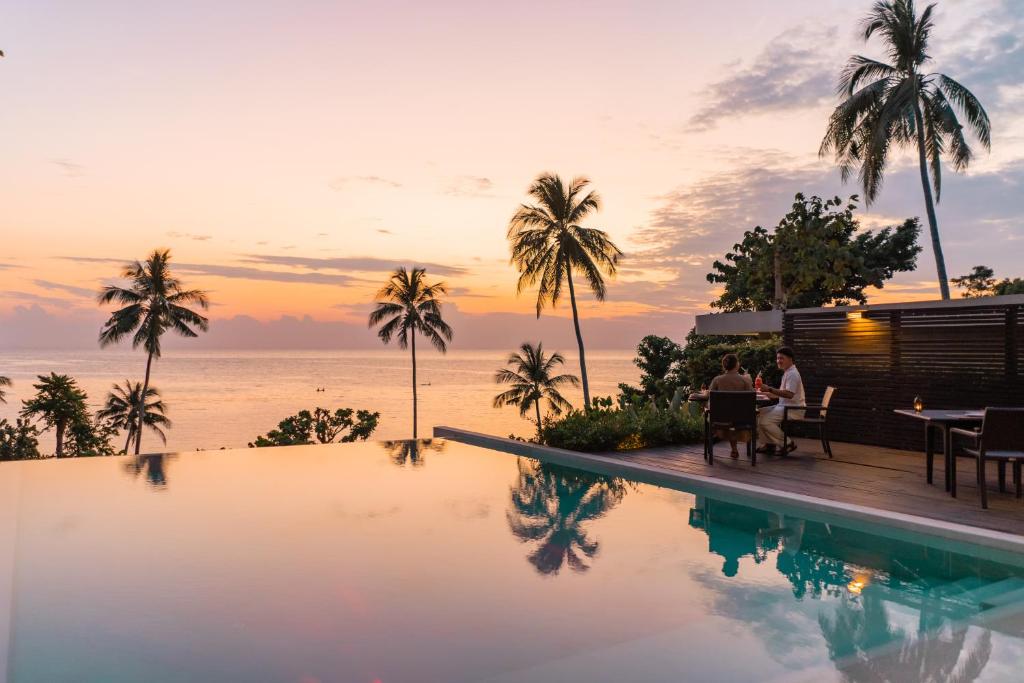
(936, 530)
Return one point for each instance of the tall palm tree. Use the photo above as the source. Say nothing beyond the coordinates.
(59, 403)
(407, 305)
(154, 302)
(412, 451)
(549, 245)
(4, 382)
(895, 105)
(532, 381)
(122, 408)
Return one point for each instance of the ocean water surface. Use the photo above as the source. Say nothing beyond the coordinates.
(226, 398)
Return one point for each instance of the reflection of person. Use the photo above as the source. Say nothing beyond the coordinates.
(732, 380)
(790, 393)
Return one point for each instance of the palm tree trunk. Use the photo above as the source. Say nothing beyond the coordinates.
(142, 404)
(59, 431)
(579, 341)
(933, 225)
(413, 384)
(128, 441)
(536, 404)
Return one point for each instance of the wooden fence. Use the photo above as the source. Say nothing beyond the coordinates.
(951, 354)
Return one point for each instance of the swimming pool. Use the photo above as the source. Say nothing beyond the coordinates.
(440, 561)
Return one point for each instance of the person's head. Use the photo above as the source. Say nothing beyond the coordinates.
(731, 566)
(730, 362)
(784, 357)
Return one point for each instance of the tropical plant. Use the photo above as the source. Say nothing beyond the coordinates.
(817, 255)
(344, 425)
(702, 357)
(550, 507)
(87, 437)
(549, 245)
(661, 371)
(895, 105)
(4, 382)
(608, 428)
(121, 411)
(155, 467)
(1008, 286)
(19, 441)
(59, 403)
(407, 305)
(412, 451)
(532, 381)
(154, 302)
(979, 282)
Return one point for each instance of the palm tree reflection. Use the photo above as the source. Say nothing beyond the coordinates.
(152, 465)
(549, 507)
(411, 451)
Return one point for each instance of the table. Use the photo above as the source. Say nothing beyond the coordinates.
(761, 399)
(943, 420)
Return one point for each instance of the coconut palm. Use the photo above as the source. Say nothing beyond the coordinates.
(4, 382)
(892, 106)
(59, 404)
(532, 381)
(122, 408)
(412, 451)
(407, 305)
(154, 302)
(549, 245)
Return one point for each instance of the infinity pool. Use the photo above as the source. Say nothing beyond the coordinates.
(437, 561)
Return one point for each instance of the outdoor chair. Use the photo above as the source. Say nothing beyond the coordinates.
(1001, 438)
(809, 415)
(731, 410)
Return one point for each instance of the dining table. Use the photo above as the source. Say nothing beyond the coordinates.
(762, 399)
(942, 420)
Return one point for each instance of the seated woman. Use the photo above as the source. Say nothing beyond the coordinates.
(732, 380)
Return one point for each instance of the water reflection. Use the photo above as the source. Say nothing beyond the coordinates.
(550, 506)
(411, 451)
(154, 467)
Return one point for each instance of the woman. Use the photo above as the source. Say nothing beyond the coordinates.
(732, 380)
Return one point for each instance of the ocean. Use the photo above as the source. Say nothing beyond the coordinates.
(225, 399)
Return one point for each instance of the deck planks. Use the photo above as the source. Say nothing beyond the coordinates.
(878, 477)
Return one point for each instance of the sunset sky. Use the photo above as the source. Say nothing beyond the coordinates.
(292, 153)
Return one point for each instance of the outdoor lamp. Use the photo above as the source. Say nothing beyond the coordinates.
(918, 404)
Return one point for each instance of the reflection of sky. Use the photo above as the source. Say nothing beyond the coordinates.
(347, 563)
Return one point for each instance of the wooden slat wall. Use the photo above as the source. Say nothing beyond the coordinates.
(969, 357)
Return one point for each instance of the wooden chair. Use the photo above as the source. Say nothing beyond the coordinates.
(731, 410)
(819, 417)
(1001, 438)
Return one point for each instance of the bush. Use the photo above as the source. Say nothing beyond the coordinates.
(19, 441)
(702, 357)
(604, 428)
(320, 426)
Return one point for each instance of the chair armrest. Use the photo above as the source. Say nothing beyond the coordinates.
(972, 435)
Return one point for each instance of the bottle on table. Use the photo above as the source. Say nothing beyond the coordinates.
(758, 382)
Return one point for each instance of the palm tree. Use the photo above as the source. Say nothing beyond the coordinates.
(155, 302)
(549, 245)
(412, 451)
(532, 381)
(4, 382)
(895, 105)
(59, 404)
(407, 305)
(122, 408)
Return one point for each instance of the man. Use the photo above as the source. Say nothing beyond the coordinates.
(789, 393)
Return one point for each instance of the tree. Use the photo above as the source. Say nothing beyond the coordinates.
(549, 245)
(532, 381)
(412, 451)
(1008, 286)
(87, 437)
(154, 302)
(823, 258)
(323, 426)
(58, 404)
(407, 305)
(122, 409)
(4, 382)
(893, 106)
(661, 370)
(979, 282)
(18, 441)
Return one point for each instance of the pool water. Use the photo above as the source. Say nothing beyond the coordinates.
(438, 561)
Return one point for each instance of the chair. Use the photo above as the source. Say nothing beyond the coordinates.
(1001, 438)
(731, 410)
(819, 418)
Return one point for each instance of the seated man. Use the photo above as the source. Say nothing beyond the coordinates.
(732, 380)
(790, 393)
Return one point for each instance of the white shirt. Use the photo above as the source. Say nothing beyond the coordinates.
(791, 382)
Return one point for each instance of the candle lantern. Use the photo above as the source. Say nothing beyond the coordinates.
(918, 404)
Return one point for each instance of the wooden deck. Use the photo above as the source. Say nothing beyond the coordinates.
(882, 478)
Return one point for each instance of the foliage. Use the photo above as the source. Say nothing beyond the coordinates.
(121, 411)
(320, 426)
(824, 258)
(702, 357)
(4, 382)
(981, 281)
(532, 380)
(412, 451)
(58, 404)
(608, 428)
(661, 366)
(549, 245)
(88, 437)
(892, 106)
(19, 441)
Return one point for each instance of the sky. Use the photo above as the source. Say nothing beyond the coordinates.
(292, 154)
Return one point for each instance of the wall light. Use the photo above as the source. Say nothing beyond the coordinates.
(854, 315)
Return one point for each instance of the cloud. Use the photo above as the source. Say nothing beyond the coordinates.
(986, 51)
(793, 71)
(70, 289)
(384, 232)
(358, 264)
(245, 273)
(69, 168)
(342, 182)
(190, 236)
(470, 186)
(32, 298)
(6, 266)
(96, 259)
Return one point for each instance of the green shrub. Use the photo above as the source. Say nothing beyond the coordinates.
(702, 357)
(607, 428)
